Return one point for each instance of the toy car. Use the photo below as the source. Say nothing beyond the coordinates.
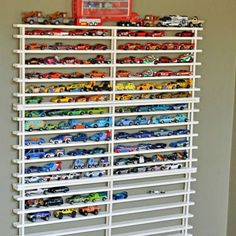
(52, 75)
(166, 119)
(124, 122)
(186, 46)
(159, 145)
(56, 112)
(173, 166)
(52, 166)
(123, 73)
(61, 99)
(144, 146)
(181, 132)
(120, 195)
(162, 132)
(121, 161)
(80, 137)
(181, 83)
(93, 197)
(99, 123)
(37, 32)
(31, 125)
(142, 134)
(59, 46)
(185, 34)
(99, 46)
(149, 60)
(55, 152)
(125, 86)
(69, 60)
(75, 112)
(82, 46)
(53, 201)
(34, 203)
(139, 169)
(33, 100)
(145, 86)
(93, 111)
(152, 191)
(157, 33)
(89, 209)
(77, 32)
(34, 61)
(183, 73)
(60, 189)
(33, 75)
(99, 59)
(77, 199)
(61, 213)
(122, 135)
(58, 32)
(140, 120)
(125, 33)
(97, 32)
(75, 75)
(53, 60)
(77, 152)
(170, 46)
(164, 73)
(36, 46)
(33, 179)
(104, 162)
(38, 191)
(97, 150)
(131, 46)
(165, 59)
(152, 46)
(80, 99)
(93, 174)
(141, 33)
(96, 98)
(96, 74)
(45, 215)
(173, 20)
(145, 73)
(34, 153)
(183, 58)
(180, 106)
(122, 171)
(34, 141)
(181, 118)
(78, 164)
(124, 148)
(102, 136)
(180, 143)
(61, 138)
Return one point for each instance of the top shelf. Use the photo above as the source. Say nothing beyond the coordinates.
(105, 27)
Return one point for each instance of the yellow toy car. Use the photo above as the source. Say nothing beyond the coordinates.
(184, 83)
(69, 212)
(89, 86)
(61, 99)
(124, 97)
(146, 86)
(75, 87)
(166, 85)
(125, 86)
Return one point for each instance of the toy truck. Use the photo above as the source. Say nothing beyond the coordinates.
(195, 22)
(34, 17)
(31, 125)
(60, 18)
(150, 20)
(173, 20)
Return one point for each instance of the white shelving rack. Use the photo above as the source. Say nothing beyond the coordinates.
(140, 214)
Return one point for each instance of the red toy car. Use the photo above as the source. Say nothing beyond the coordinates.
(99, 46)
(36, 46)
(125, 33)
(99, 59)
(142, 33)
(164, 73)
(38, 32)
(131, 46)
(170, 46)
(129, 60)
(52, 75)
(158, 33)
(97, 32)
(51, 60)
(96, 74)
(77, 32)
(123, 73)
(81, 46)
(152, 46)
(185, 34)
(183, 72)
(59, 46)
(58, 32)
(34, 61)
(76, 74)
(186, 46)
(165, 60)
(69, 60)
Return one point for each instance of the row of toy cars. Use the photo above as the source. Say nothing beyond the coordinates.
(62, 46)
(75, 87)
(54, 60)
(74, 199)
(154, 60)
(157, 46)
(60, 75)
(31, 125)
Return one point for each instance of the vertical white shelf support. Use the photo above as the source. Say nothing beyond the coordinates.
(122, 217)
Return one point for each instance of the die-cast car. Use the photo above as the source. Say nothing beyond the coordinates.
(185, 34)
(159, 145)
(89, 209)
(180, 143)
(120, 195)
(65, 212)
(142, 134)
(77, 199)
(124, 122)
(93, 174)
(180, 106)
(124, 148)
(34, 141)
(186, 46)
(145, 86)
(170, 46)
(78, 164)
(140, 120)
(77, 152)
(162, 132)
(131, 46)
(123, 73)
(34, 61)
(183, 73)
(62, 99)
(183, 58)
(122, 135)
(59, 189)
(77, 32)
(144, 146)
(145, 73)
(166, 119)
(99, 123)
(45, 215)
(91, 162)
(38, 191)
(173, 166)
(122, 171)
(55, 152)
(104, 161)
(96, 74)
(164, 73)
(181, 132)
(102, 136)
(121, 161)
(33, 179)
(152, 46)
(97, 32)
(36, 46)
(34, 153)
(97, 150)
(165, 59)
(125, 33)
(80, 137)
(181, 118)
(157, 33)
(61, 138)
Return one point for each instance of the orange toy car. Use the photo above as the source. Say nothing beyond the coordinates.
(96, 74)
(52, 75)
(36, 46)
(124, 97)
(89, 209)
(80, 99)
(186, 46)
(152, 46)
(96, 98)
(123, 73)
(131, 46)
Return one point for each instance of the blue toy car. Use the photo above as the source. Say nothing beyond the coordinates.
(142, 134)
(91, 162)
(163, 132)
(180, 143)
(45, 215)
(34, 153)
(77, 152)
(181, 132)
(159, 145)
(144, 108)
(99, 123)
(122, 135)
(161, 107)
(55, 152)
(124, 122)
(78, 164)
(180, 106)
(34, 141)
(97, 150)
(166, 119)
(102, 136)
(181, 118)
(120, 195)
(80, 137)
(144, 146)
(124, 148)
(104, 161)
(63, 125)
(52, 166)
(73, 123)
(140, 120)
(61, 138)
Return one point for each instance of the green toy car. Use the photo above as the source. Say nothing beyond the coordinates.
(57, 112)
(51, 127)
(97, 197)
(35, 113)
(75, 112)
(94, 111)
(33, 100)
(77, 199)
